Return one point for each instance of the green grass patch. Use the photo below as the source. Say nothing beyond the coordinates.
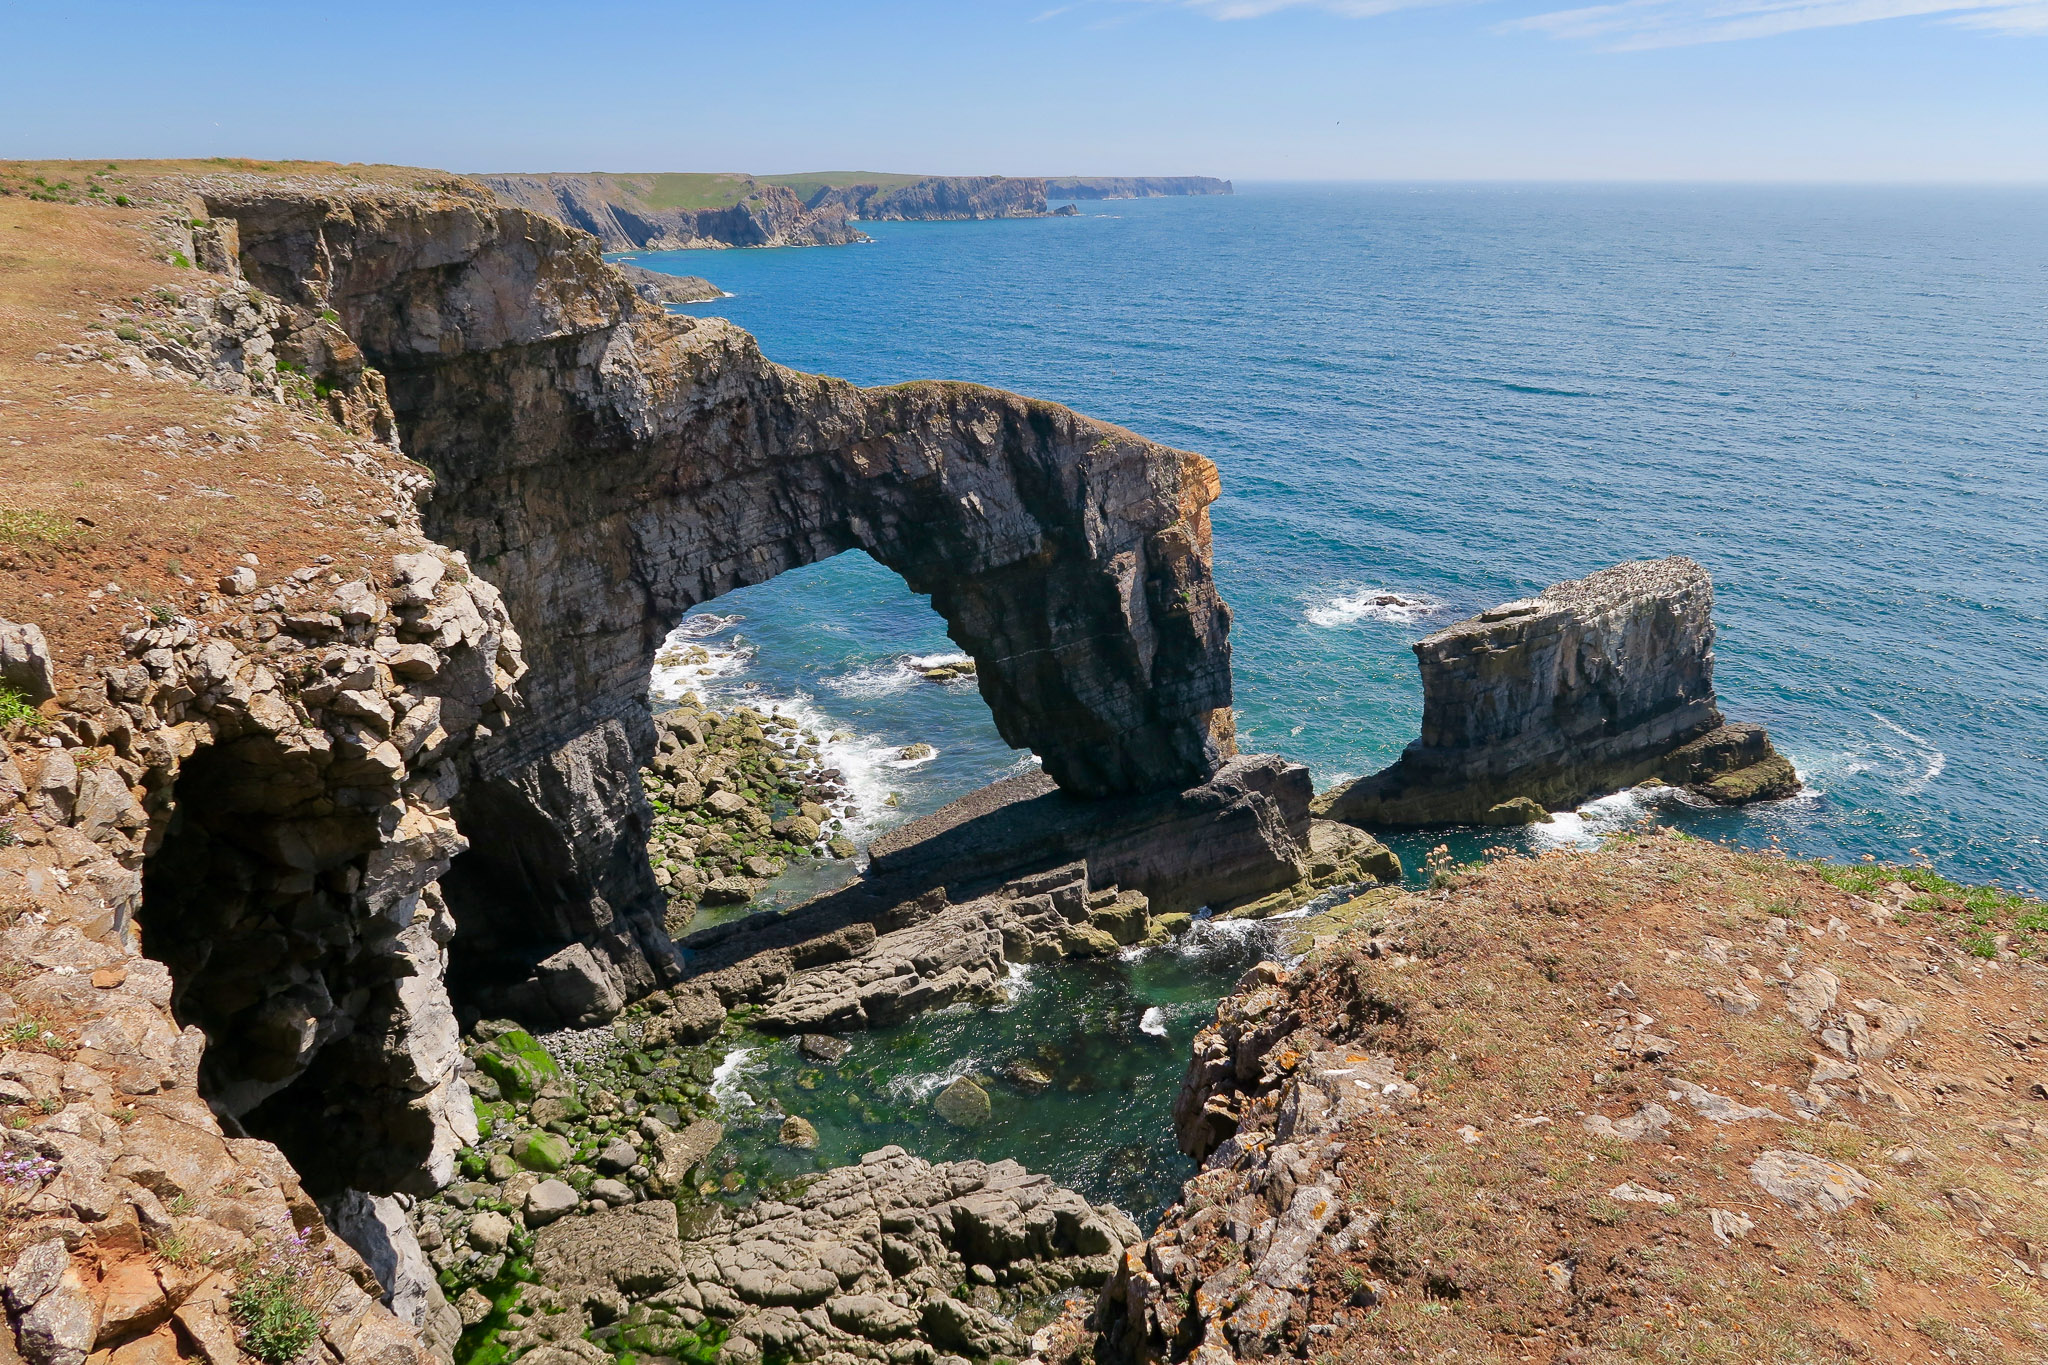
(691, 190)
(1977, 913)
(17, 709)
(808, 183)
(23, 526)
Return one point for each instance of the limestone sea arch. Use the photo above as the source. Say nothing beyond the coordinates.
(608, 466)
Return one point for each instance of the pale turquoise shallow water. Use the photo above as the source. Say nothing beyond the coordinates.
(1837, 400)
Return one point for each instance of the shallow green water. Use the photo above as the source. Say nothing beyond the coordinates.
(1112, 1034)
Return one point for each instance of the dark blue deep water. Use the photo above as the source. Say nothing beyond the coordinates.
(1835, 399)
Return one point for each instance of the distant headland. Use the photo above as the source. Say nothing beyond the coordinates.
(632, 211)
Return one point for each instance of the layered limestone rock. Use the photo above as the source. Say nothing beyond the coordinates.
(895, 1259)
(1239, 836)
(941, 954)
(938, 198)
(610, 467)
(616, 210)
(1592, 686)
(656, 287)
(259, 803)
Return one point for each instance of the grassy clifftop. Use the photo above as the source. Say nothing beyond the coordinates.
(1660, 1102)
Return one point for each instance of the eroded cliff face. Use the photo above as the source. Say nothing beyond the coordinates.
(226, 953)
(609, 467)
(1595, 685)
(1134, 186)
(939, 198)
(768, 215)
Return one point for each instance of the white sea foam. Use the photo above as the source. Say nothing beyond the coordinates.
(1933, 759)
(705, 655)
(891, 676)
(1017, 983)
(922, 1085)
(1594, 821)
(1204, 938)
(1153, 1022)
(705, 624)
(1371, 604)
(727, 1076)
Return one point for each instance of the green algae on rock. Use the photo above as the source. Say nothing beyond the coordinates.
(736, 796)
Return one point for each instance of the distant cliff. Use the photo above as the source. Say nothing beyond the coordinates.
(629, 212)
(1133, 187)
(937, 198)
(817, 208)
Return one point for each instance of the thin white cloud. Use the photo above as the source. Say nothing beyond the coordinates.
(1636, 25)
(1258, 9)
(2031, 19)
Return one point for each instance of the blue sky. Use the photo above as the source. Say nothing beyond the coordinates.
(1855, 90)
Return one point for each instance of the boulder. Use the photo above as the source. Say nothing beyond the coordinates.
(25, 661)
(546, 1152)
(823, 1048)
(1519, 810)
(797, 1132)
(521, 1067)
(728, 891)
(675, 1153)
(583, 988)
(963, 1104)
(490, 1231)
(549, 1200)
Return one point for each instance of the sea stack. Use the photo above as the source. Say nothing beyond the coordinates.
(1594, 685)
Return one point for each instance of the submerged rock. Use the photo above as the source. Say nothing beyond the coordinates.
(823, 1048)
(963, 1104)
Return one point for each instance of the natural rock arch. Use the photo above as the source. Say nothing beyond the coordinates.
(608, 467)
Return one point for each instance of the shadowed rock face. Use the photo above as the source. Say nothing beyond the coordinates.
(611, 467)
(1595, 685)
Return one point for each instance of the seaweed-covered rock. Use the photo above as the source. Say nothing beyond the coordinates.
(521, 1067)
(963, 1104)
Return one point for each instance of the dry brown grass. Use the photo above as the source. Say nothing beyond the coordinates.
(1495, 1018)
(85, 502)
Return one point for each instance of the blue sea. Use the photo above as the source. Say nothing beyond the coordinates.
(1835, 399)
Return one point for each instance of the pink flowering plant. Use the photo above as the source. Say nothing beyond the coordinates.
(273, 1300)
(22, 1174)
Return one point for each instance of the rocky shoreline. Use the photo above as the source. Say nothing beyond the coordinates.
(736, 796)
(599, 1215)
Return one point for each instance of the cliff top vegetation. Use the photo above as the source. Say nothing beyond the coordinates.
(131, 489)
(1671, 1102)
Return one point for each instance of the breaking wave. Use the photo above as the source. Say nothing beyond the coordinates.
(1372, 604)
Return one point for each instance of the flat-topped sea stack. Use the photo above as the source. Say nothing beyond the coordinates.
(1594, 685)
